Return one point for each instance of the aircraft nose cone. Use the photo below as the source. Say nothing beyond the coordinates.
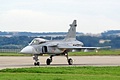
(29, 50)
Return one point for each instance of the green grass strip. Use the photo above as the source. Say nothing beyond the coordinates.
(61, 73)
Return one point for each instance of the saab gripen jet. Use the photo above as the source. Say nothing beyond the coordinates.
(39, 46)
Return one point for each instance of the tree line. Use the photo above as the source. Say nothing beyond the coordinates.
(18, 42)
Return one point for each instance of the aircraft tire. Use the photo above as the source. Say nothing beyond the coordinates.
(36, 63)
(70, 61)
(48, 61)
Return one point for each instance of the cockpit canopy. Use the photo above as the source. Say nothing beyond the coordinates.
(37, 41)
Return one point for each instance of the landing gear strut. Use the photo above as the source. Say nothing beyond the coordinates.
(35, 57)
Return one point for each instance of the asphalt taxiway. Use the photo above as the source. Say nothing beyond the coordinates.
(21, 61)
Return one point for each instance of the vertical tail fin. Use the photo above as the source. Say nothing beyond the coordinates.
(71, 35)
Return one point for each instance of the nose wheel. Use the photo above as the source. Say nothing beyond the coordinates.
(36, 63)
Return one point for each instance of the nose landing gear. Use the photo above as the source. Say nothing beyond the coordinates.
(36, 63)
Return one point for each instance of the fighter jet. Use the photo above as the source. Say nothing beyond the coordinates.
(39, 46)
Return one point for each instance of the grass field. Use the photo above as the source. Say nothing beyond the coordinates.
(13, 54)
(61, 73)
(92, 53)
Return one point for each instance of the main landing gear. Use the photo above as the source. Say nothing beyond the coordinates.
(49, 60)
